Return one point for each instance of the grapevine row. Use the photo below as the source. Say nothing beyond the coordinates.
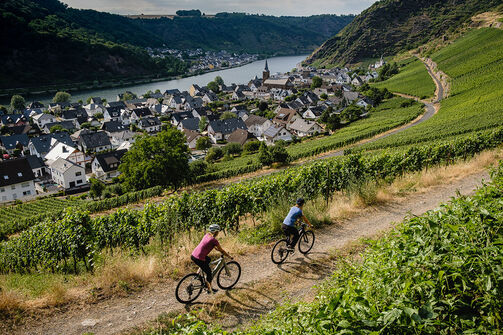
(76, 237)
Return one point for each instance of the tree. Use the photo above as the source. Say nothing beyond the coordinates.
(57, 128)
(17, 102)
(262, 105)
(61, 97)
(156, 160)
(264, 156)
(233, 149)
(197, 168)
(251, 146)
(351, 113)
(203, 143)
(86, 125)
(214, 153)
(228, 115)
(203, 122)
(96, 189)
(324, 96)
(99, 115)
(3, 109)
(317, 82)
(219, 80)
(128, 96)
(279, 154)
(213, 86)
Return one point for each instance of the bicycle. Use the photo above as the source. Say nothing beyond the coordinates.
(280, 251)
(190, 287)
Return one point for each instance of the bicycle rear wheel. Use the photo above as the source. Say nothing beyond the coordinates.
(227, 278)
(279, 252)
(189, 288)
(306, 241)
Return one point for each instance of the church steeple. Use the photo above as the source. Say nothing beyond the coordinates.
(265, 73)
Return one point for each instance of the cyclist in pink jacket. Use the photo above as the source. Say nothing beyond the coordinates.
(200, 253)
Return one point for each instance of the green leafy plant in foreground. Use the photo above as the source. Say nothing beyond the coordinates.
(439, 273)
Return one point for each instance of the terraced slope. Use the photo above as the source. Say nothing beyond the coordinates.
(476, 99)
(413, 79)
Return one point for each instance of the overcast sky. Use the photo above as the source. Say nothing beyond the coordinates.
(271, 7)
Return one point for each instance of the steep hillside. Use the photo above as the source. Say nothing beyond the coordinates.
(474, 63)
(390, 26)
(247, 33)
(44, 42)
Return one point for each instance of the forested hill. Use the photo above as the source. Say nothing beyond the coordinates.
(46, 42)
(247, 33)
(390, 26)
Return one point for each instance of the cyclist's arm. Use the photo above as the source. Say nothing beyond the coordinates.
(219, 248)
(304, 218)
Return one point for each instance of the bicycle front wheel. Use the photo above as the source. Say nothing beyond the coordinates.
(227, 278)
(279, 252)
(189, 288)
(306, 241)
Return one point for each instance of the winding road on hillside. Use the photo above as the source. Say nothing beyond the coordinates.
(262, 285)
(431, 107)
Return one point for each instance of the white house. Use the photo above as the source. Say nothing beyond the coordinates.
(276, 133)
(42, 119)
(105, 166)
(257, 125)
(150, 124)
(67, 174)
(303, 128)
(16, 180)
(62, 150)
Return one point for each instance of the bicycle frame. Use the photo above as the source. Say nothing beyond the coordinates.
(220, 262)
(302, 229)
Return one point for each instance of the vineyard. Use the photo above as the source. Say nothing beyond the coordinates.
(439, 273)
(20, 217)
(476, 99)
(413, 79)
(71, 242)
(388, 115)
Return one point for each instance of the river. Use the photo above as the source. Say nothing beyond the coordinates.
(237, 75)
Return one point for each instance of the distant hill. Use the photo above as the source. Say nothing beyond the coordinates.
(391, 26)
(239, 32)
(46, 42)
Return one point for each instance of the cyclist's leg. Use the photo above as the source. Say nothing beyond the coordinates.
(295, 238)
(286, 231)
(205, 266)
(289, 231)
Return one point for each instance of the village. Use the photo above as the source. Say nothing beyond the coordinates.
(203, 61)
(57, 148)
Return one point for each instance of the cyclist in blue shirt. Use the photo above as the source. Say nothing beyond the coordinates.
(289, 222)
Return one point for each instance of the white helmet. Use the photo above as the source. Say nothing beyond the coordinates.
(214, 228)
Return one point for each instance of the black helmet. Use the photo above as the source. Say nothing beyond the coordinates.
(300, 201)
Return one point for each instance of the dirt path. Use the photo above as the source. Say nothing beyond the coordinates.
(120, 314)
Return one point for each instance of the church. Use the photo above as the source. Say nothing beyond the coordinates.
(282, 83)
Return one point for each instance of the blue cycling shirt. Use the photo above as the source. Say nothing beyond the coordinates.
(293, 215)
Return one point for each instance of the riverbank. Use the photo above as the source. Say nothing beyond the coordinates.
(109, 89)
(31, 93)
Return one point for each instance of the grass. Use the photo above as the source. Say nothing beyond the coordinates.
(413, 79)
(122, 274)
(476, 100)
(343, 206)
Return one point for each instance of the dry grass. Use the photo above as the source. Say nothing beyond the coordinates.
(11, 305)
(122, 274)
